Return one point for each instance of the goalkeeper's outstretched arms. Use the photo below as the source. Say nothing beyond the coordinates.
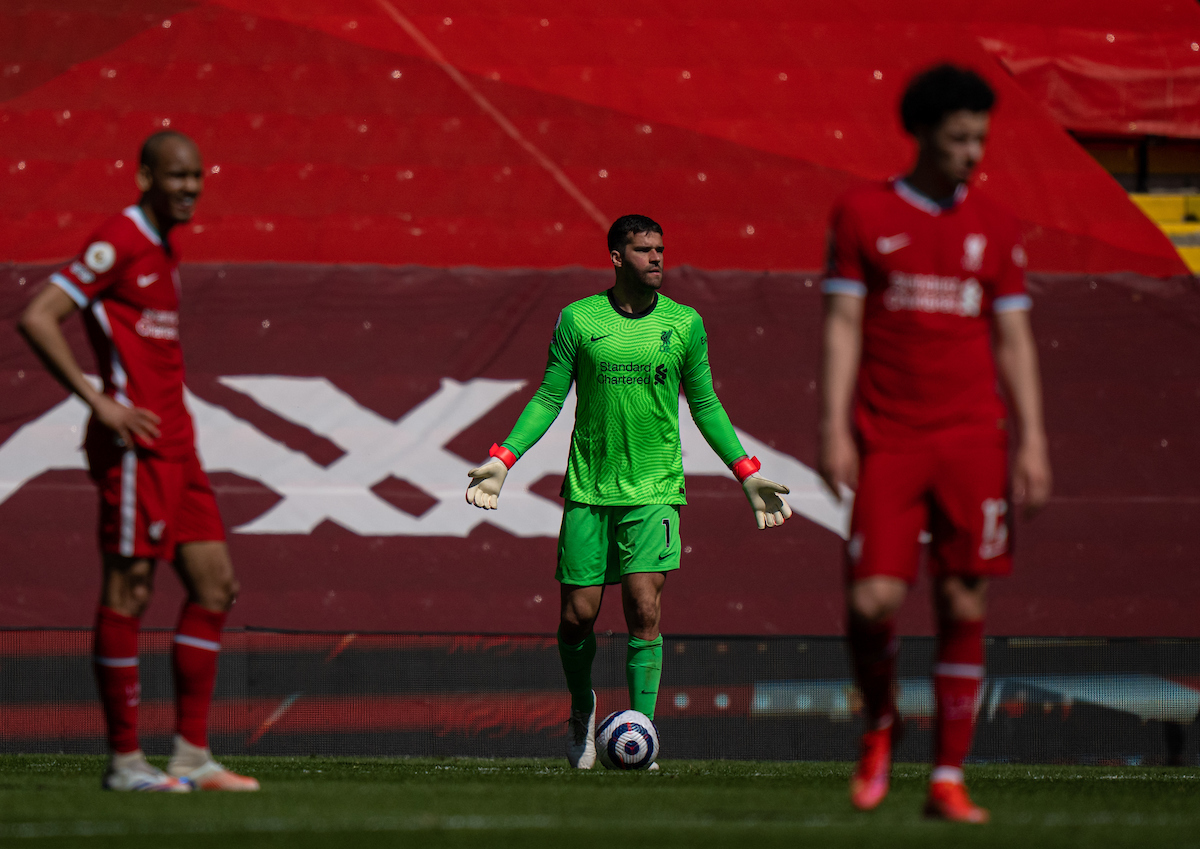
(770, 510)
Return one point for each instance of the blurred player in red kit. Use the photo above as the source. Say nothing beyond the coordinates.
(155, 500)
(926, 320)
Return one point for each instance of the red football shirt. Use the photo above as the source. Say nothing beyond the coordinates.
(933, 278)
(126, 282)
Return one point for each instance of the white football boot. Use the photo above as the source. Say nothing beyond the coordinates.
(131, 772)
(196, 766)
(581, 738)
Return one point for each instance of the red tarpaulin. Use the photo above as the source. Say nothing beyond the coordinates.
(1106, 68)
(499, 135)
(340, 409)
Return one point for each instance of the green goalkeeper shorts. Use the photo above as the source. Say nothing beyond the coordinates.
(597, 545)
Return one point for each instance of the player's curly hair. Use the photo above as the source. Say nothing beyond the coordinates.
(629, 225)
(934, 93)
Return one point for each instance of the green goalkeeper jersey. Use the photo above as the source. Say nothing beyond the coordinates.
(628, 369)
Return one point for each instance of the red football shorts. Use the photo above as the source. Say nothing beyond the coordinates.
(149, 505)
(958, 492)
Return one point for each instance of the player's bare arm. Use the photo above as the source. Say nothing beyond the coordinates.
(841, 350)
(41, 325)
(1017, 362)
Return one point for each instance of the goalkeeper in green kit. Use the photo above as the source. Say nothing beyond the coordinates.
(628, 350)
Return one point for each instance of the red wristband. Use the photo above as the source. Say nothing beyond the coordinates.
(745, 467)
(506, 456)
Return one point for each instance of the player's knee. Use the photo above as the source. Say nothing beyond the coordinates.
(577, 618)
(578, 615)
(129, 586)
(573, 633)
(231, 592)
(137, 598)
(643, 616)
(868, 611)
(874, 604)
(964, 608)
(962, 598)
(218, 593)
(226, 592)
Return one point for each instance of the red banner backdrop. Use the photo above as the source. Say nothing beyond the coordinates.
(509, 135)
(1111, 68)
(340, 407)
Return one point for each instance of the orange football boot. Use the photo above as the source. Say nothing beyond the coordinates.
(213, 776)
(948, 800)
(869, 783)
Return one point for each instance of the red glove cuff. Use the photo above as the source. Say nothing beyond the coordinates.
(506, 456)
(745, 467)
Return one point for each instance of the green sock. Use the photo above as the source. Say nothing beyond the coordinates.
(643, 669)
(577, 666)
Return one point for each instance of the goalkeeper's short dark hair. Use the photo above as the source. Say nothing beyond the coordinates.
(935, 93)
(629, 225)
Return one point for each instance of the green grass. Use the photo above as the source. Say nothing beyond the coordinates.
(55, 800)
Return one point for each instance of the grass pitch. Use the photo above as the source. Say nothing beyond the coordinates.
(55, 800)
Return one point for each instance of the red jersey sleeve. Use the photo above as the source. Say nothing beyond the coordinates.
(1010, 291)
(101, 264)
(844, 273)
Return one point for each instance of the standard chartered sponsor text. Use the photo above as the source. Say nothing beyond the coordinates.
(622, 374)
(933, 293)
(158, 324)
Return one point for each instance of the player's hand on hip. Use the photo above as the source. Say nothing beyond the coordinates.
(838, 462)
(129, 423)
(1031, 478)
(486, 481)
(764, 497)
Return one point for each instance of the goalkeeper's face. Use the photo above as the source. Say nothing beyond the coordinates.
(641, 261)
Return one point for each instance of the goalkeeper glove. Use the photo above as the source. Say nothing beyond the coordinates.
(764, 495)
(488, 478)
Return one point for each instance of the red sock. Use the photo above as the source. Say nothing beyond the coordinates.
(197, 643)
(956, 680)
(873, 653)
(115, 655)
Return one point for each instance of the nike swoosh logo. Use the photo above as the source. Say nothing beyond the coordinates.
(649, 692)
(144, 280)
(598, 338)
(665, 556)
(890, 244)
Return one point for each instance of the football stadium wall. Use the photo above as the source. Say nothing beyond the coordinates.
(339, 409)
(774, 698)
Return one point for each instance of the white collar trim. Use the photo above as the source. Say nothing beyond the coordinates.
(134, 213)
(910, 195)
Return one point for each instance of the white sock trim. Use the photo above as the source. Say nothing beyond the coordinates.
(197, 643)
(959, 670)
(947, 773)
(116, 662)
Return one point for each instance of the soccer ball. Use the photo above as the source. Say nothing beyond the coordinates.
(627, 739)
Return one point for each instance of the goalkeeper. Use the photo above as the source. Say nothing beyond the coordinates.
(628, 350)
